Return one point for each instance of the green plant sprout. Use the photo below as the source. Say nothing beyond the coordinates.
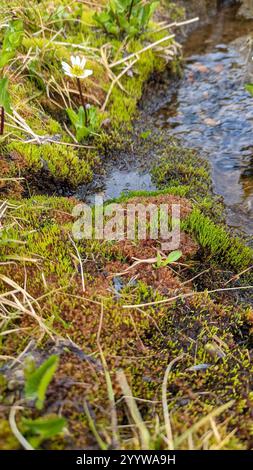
(40, 429)
(36, 384)
(125, 17)
(173, 257)
(37, 380)
(12, 40)
(85, 122)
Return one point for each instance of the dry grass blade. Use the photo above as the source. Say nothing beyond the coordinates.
(190, 294)
(116, 81)
(24, 308)
(216, 412)
(144, 435)
(175, 25)
(165, 404)
(110, 392)
(13, 425)
(101, 443)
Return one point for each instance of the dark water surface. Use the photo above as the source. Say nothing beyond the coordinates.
(210, 111)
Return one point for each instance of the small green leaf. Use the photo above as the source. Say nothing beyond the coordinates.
(174, 256)
(145, 134)
(37, 382)
(12, 40)
(72, 116)
(5, 101)
(46, 426)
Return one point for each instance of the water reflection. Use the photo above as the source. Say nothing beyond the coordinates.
(213, 113)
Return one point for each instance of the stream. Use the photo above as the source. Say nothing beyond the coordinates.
(208, 110)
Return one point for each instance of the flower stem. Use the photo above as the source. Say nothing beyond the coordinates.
(130, 10)
(82, 100)
(2, 121)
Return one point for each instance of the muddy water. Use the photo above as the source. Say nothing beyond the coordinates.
(210, 111)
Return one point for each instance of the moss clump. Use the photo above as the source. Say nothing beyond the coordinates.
(62, 162)
(183, 167)
(218, 242)
(213, 238)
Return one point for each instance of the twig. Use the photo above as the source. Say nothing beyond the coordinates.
(116, 80)
(190, 294)
(136, 54)
(175, 25)
(80, 262)
(195, 277)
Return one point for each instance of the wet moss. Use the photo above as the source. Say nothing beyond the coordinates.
(61, 162)
(183, 167)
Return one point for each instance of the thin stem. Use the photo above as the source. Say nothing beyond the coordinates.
(130, 10)
(82, 100)
(2, 121)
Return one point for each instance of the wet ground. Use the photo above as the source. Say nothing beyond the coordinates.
(208, 110)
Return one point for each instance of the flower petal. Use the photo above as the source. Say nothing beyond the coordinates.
(65, 65)
(66, 68)
(87, 73)
(83, 63)
(78, 60)
(73, 60)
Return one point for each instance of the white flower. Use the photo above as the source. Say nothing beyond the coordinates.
(77, 68)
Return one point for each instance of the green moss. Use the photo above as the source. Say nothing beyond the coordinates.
(175, 191)
(218, 242)
(62, 162)
(183, 167)
(123, 105)
(7, 439)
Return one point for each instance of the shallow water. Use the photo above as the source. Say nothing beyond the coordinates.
(208, 110)
(212, 112)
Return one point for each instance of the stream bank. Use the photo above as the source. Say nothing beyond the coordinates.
(208, 110)
(88, 304)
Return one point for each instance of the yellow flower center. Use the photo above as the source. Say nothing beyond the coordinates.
(77, 70)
